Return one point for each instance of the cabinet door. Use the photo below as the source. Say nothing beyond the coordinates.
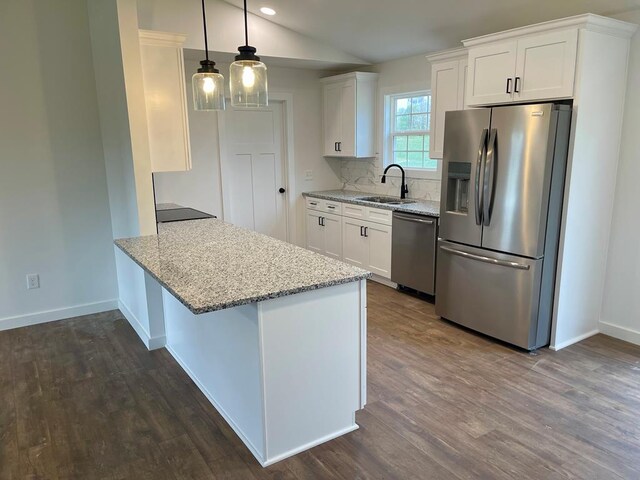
(166, 104)
(444, 97)
(332, 121)
(332, 236)
(347, 145)
(355, 248)
(315, 232)
(546, 66)
(491, 73)
(379, 239)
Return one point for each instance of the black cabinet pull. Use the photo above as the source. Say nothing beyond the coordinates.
(516, 87)
(319, 221)
(322, 221)
(362, 231)
(366, 229)
(339, 146)
(508, 85)
(335, 146)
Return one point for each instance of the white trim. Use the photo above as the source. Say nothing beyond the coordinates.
(309, 445)
(621, 333)
(451, 54)
(587, 21)
(165, 39)
(152, 343)
(220, 410)
(345, 76)
(54, 315)
(571, 341)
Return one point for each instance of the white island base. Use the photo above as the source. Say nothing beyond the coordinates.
(287, 374)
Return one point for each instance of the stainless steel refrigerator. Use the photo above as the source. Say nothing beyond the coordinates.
(500, 213)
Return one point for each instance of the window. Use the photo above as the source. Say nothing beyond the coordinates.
(409, 118)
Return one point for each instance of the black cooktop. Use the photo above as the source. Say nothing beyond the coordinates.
(180, 214)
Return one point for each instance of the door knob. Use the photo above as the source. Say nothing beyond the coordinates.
(281, 190)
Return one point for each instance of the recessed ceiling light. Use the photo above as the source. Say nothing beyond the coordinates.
(268, 11)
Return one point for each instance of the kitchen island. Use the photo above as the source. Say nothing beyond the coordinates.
(273, 335)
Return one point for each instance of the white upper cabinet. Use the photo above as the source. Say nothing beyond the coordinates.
(530, 67)
(448, 80)
(546, 66)
(349, 115)
(491, 73)
(165, 100)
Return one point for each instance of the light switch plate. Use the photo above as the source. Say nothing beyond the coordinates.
(308, 175)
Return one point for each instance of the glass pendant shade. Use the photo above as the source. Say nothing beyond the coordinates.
(208, 91)
(248, 83)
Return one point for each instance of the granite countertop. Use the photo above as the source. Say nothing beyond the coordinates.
(210, 265)
(420, 207)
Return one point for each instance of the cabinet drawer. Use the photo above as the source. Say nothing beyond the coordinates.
(379, 215)
(332, 207)
(354, 211)
(314, 204)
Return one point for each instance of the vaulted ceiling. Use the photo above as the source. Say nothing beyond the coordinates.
(380, 30)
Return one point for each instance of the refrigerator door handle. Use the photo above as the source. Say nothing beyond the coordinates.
(489, 179)
(480, 258)
(479, 166)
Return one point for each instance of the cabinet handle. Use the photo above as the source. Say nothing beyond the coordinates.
(323, 219)
(313, 203)
(366, 229)
(331, 207)
(335, 146)
(361, 231)
(508, 85)
(516, 87)
(319, 221)
(339, 146)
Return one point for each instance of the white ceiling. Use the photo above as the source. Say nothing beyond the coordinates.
(380, 30)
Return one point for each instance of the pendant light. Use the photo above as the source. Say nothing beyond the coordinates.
(248, 75)
(208, 83)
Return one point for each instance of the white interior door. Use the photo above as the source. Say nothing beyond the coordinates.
(253, 169)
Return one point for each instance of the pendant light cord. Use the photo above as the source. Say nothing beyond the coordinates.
(246, 28)
(204, 23)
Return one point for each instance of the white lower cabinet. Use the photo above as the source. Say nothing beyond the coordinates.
(324, 233)
(348, 237)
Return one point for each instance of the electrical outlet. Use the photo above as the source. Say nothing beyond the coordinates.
(33, 281)
(308, 175)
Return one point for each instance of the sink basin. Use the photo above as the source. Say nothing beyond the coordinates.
(386, 200)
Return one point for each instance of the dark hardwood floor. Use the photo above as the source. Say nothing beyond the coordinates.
(83, 399)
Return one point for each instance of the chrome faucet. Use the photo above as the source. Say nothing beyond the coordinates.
(403, 186)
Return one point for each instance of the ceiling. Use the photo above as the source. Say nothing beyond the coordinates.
(380, 30)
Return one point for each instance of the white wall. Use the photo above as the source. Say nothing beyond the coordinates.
(396, 76)
(54, 211)
(621, 307)
(200, 188)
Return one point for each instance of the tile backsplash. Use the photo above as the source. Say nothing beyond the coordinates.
(364, 175)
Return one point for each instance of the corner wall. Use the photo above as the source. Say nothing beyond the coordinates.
(54, 210)
(620, 315)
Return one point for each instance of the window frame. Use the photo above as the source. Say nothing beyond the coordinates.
(389, 134)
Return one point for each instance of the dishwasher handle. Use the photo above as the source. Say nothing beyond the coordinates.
(413, 219)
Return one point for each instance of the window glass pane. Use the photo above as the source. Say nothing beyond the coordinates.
(403, 123)
(400, 142)
(403, 106)
(416, 143)
(430, 163)
(400, 157)
(427, 144)
(419, 122)
(428, 97)
(419, 104)
(414, 159)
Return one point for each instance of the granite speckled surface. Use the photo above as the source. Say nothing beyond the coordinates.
(420, 207)
(210, 265)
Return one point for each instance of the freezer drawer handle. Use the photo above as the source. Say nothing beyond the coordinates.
(480, 258)
(411, 219)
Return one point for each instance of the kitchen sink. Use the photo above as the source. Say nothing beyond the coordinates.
(387, 200)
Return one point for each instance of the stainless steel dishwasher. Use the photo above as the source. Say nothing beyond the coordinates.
(413, 251)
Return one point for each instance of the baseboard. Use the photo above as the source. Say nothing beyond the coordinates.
(152, 343)
(621, 333)
(57, 314)
(254, 451)
(571, 341)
